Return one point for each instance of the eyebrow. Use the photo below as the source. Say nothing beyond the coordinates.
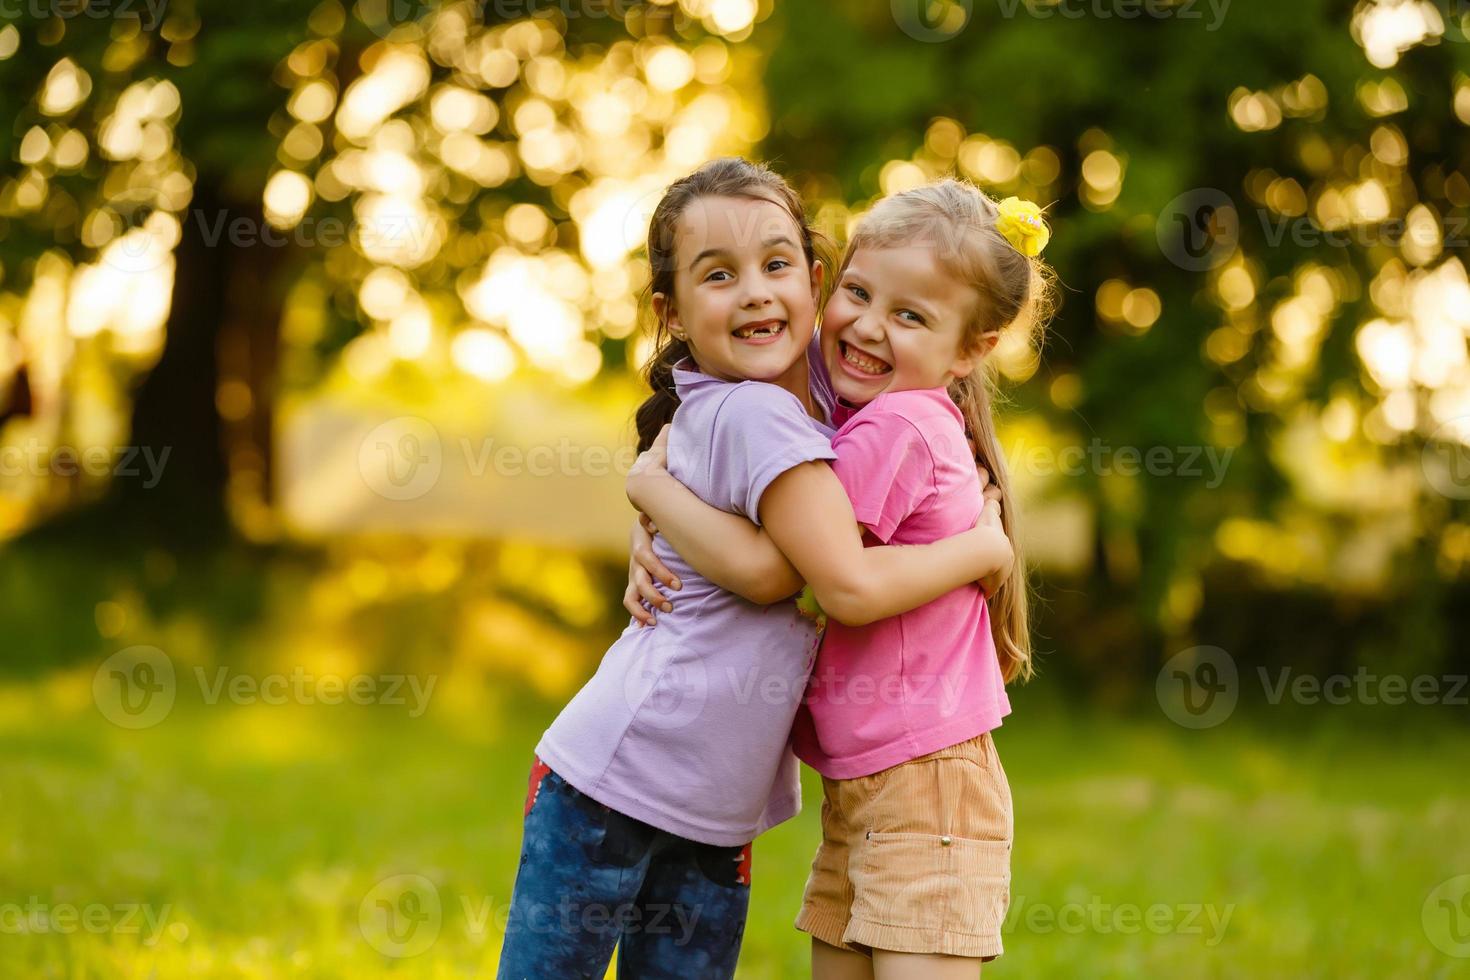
(768, 243)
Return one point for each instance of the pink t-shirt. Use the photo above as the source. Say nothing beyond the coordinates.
(929, 678)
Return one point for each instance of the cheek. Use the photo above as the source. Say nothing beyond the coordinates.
(910, 351)
(710, 309)
(798, 295)
(838, 313)
(938, 356)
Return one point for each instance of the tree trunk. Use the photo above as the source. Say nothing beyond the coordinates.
(226, 310)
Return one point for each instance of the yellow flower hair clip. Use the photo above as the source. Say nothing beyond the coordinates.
(1022, 225)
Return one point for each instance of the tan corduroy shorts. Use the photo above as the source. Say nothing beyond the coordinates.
(916, 858)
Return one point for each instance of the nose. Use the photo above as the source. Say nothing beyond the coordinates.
(868, 327)
(757, 292)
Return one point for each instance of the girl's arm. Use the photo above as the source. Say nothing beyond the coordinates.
(725, 548)
(807, 516)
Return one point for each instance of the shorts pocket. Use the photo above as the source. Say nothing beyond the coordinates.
(954, 795)
(979, 750)
(938, 884)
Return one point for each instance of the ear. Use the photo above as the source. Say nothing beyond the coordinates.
(665, 312)
(819, 276)
(974, 356)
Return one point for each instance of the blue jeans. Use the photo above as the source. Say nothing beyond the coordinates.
(592, 878)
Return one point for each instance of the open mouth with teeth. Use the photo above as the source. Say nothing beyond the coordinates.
(764, 330)
(862, 362)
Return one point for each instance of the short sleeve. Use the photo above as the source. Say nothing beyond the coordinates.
(886, 468)
(760, 432)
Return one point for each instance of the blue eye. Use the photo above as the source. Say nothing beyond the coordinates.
(859, 292)
(916, 317)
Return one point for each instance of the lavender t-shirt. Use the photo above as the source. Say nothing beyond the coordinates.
(685, 725)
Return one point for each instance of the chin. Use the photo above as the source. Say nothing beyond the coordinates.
(768, 364)
(855, 395)
(850, 389)
(755, 371)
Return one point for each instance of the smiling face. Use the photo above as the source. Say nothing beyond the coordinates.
(897, 321)
(744, 297)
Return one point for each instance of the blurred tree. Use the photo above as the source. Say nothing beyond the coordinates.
(1260, 218)
(1247, 196)
(229, 153)
(140, 139)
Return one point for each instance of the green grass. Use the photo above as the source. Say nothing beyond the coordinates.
(253, 834)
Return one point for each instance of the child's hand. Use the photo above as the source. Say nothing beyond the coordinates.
(990, 511)
(984, 474)
(641, 596)
(991, 520)
(654, 459)
(651, 464)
